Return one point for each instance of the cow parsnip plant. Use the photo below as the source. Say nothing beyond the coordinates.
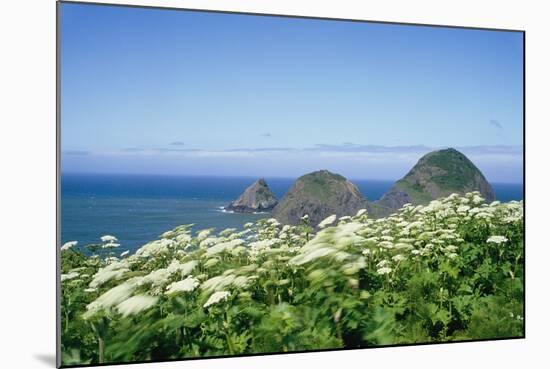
(448, 271)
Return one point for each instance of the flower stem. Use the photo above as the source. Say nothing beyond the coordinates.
(101, 344)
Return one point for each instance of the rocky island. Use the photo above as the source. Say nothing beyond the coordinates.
(257, 197)
(437, 174)
(319, 195)
(322, 193)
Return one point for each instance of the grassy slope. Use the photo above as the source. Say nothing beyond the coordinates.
(457, 175)
(315, 187)
(460, 170)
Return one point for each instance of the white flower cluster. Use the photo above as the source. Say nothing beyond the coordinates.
(187, 285)
(112, 297)
(497, 239)
(216, 298)
(155, 248)
(223, 246)
(68, 276)
(114, 270)
(327, 221)
(109, 241)
(136, 304)
(69, 245)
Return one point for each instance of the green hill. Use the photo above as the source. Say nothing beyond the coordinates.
(437, 174)
(319, 195)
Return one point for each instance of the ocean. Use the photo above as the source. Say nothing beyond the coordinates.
(138, 208)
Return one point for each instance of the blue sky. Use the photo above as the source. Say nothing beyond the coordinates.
(191, 93)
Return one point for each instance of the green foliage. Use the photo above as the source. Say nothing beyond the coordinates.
(316, 184)
(451, 270)
(458, 169)
(441, 173)
(416, 192)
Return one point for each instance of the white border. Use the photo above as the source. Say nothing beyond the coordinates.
(27, 205)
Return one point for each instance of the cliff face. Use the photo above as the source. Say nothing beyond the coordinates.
(437, 174)
(319, 195)
(257, 197)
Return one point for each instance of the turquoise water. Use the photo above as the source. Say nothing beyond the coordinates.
(136, 208)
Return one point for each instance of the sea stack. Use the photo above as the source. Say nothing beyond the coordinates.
(256, 198)
(437, 174)
(319, 195)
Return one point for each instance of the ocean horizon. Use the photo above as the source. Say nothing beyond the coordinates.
(138, 208)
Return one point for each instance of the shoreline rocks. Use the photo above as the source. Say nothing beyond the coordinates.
(256, 198)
